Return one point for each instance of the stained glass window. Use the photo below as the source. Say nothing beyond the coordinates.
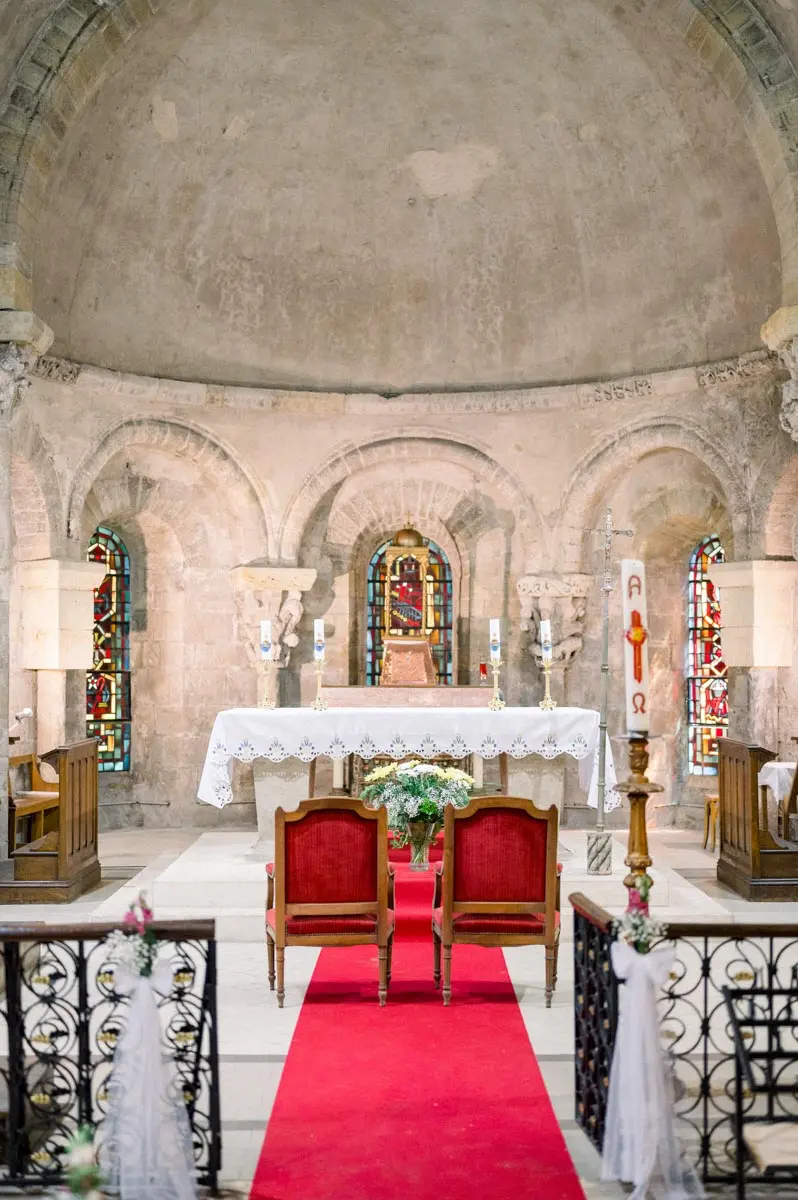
(439, 595)
(707, 699)
(108, 683)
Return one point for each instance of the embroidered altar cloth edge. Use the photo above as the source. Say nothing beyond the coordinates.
(276, 734)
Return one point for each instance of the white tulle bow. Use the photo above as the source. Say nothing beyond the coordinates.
(640, 1144)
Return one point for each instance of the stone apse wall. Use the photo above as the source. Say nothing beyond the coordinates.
(200, 480)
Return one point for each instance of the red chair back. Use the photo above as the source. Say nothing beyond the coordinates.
(500, 858)
(331, 859)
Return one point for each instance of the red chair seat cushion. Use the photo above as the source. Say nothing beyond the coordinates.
(312, 926)
(515, 924)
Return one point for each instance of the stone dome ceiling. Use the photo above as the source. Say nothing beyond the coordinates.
(401, 193)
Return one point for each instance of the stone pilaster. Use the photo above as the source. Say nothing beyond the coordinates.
(561, 599)
(23, 338)
(780, 334)
(273, 594)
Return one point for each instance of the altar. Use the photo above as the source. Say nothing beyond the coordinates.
(282, 742)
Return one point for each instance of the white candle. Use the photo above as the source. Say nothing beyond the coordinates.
(318, 639)
(266, 647)
(545, 641)
(495, 640)
(635, 644)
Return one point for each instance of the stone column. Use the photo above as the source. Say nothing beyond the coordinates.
(562, 600)
(780, 334)
(23, 337)
(275, 594)
(58, 643)
(757, 603)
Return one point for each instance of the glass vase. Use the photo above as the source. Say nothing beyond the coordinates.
(420, 837)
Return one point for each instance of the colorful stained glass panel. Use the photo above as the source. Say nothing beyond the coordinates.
(108, 683)
(707, 694)
(406, 601)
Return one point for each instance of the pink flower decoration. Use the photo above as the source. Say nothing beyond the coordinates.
(130, 917)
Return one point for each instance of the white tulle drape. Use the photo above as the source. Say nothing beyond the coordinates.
(147, 1152)
(640, 1143)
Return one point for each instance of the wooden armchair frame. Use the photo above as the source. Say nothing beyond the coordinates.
(446, 933)
(278, 937)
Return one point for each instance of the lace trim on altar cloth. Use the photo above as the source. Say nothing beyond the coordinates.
(427, 747)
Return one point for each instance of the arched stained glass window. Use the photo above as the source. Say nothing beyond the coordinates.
(439, 583)
(707, 699)
(108, 683)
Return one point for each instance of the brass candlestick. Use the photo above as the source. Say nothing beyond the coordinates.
(496, 703)
(547, 704)
(319, 704)
(266, 676)
(638, 788)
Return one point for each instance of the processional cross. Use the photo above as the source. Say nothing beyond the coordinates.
(599, 842)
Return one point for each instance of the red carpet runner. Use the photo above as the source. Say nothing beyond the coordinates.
(413, 1101)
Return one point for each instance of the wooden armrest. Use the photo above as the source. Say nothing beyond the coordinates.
(436, 898)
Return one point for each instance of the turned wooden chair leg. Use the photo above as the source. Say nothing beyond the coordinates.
(383, 990)
(551, 973)
(270, 952)
(280, 976)
(436, 959)
(556, 961)
(447, 974)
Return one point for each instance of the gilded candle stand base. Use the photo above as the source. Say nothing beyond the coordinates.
(319, 704)
(638, 788)
(547, 704)
(267, 684)
(496, 703)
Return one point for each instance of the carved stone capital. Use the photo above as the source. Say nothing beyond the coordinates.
(780, 334)
(273, 594)
(560, 599)
(23, 337)
(15, 363)
(59, 369)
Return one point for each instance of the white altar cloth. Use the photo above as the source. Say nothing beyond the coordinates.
(276, 734)
(777, 776)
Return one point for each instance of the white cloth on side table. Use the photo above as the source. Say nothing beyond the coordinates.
(276, 734)
(778, 777)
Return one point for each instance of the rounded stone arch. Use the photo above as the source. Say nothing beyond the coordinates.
(188, 442)
(780, 532)
(127, 501)
(604, 466)
(399, 451)
(34, 486)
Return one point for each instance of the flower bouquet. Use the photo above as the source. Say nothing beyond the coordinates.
(415, 795)
(82, 1172)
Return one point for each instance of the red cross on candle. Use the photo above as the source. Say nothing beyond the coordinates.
(636, 635)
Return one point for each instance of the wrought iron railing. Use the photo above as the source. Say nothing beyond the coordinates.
(61, 1020)
(694, 1024)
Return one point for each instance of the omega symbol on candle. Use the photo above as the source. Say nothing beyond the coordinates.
(638, 703)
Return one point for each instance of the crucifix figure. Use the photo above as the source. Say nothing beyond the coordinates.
(599, 845)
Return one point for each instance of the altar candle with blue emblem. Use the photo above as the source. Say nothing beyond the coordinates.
(545, 641)
(318, 639)
(266, 648)
(495, 640)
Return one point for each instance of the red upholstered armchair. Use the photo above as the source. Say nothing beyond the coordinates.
(499, 882)
(329, 884)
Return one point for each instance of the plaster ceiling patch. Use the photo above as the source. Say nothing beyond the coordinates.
(164, 118)
(457, 172)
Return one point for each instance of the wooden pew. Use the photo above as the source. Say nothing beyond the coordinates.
(752, 862)
(59, 862)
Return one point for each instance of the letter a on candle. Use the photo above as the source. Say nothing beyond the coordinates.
(635, 644)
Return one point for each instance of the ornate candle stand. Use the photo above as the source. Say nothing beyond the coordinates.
(496, 703)
(267, 683)
(547, 704)
(319, 704)
(638, 788)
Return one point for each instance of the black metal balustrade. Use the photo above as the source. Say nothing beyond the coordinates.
(62, 1019)
(694, 1025)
